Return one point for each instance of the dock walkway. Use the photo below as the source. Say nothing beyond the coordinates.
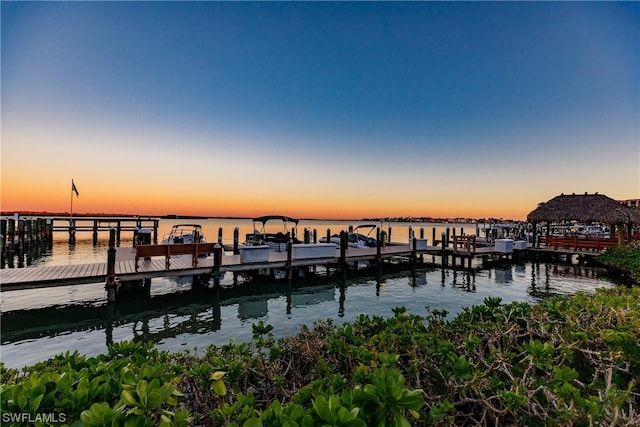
(125, 269)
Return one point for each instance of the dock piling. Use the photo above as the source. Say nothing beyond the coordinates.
(217, 262)
(236, 241)
(112, 284)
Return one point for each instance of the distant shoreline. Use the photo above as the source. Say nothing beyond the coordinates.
(175, 216)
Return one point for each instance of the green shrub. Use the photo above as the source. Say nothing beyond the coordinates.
(565, 361)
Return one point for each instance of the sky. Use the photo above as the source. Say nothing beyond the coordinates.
(340, 110)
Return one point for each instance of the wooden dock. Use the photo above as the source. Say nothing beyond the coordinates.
(125, 270)
(23, 239)
(120, 265)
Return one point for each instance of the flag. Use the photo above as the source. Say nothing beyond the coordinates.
(73, 188)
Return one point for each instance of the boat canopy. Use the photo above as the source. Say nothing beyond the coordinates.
(264, 219)
(187, 226)
(372, 226)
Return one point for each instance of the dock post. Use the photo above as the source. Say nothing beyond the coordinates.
(72, 231)
(11, 239)
(155, 231)
(434, 243)
(378, 247)
(422, 237)
(21, 243)
(413, 253)
(29, 246)
(112, 283)
(49, 233)
(236, 240)
(220, 236)
(443, 241)
(118, 233)
(217, 262)
(42, 237)
(95, 233)
(307, 236)
(343, 250)
(289, 256)
(315, 235)
(389, 235)
(328, 235)
(3, 242)
(379, 243)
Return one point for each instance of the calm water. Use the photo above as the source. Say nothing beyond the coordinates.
(38, 324)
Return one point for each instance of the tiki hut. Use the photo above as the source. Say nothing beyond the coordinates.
(586, 208)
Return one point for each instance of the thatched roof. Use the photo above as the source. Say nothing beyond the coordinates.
(584, 208)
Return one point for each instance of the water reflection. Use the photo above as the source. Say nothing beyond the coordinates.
(199, 316)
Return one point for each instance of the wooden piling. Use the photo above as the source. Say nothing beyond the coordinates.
(11, 242)
(344, 242)
(72, 231)
(443, 242)
(217, 262)
(118, 232)
(95, 233)
(413, 253)
(3, 242)
(20, 245)
(111, 286)
(236, 241)
(289, 258)
(29, 241)
(422, 237)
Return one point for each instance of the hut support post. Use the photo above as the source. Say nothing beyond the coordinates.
(620, 230)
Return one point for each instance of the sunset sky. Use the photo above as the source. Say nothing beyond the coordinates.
(318, 110)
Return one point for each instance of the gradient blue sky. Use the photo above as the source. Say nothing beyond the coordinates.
(340, 110)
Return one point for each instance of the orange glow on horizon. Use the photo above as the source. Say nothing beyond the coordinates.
(101, 196)
(30, 199)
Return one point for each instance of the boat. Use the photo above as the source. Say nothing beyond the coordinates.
(184, 233)
(585, 231)
(581, 231)
(355, 238)
(276, 241)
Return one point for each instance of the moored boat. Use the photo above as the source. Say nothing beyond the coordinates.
(184, 233)
(276, 241)
(356, 237)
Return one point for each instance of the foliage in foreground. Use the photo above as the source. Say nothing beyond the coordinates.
(626, 258)
(565, 361)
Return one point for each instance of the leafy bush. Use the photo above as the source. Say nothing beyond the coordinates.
(626, 257)
(565, 361)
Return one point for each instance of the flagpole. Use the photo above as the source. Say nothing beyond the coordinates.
(71, 210)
